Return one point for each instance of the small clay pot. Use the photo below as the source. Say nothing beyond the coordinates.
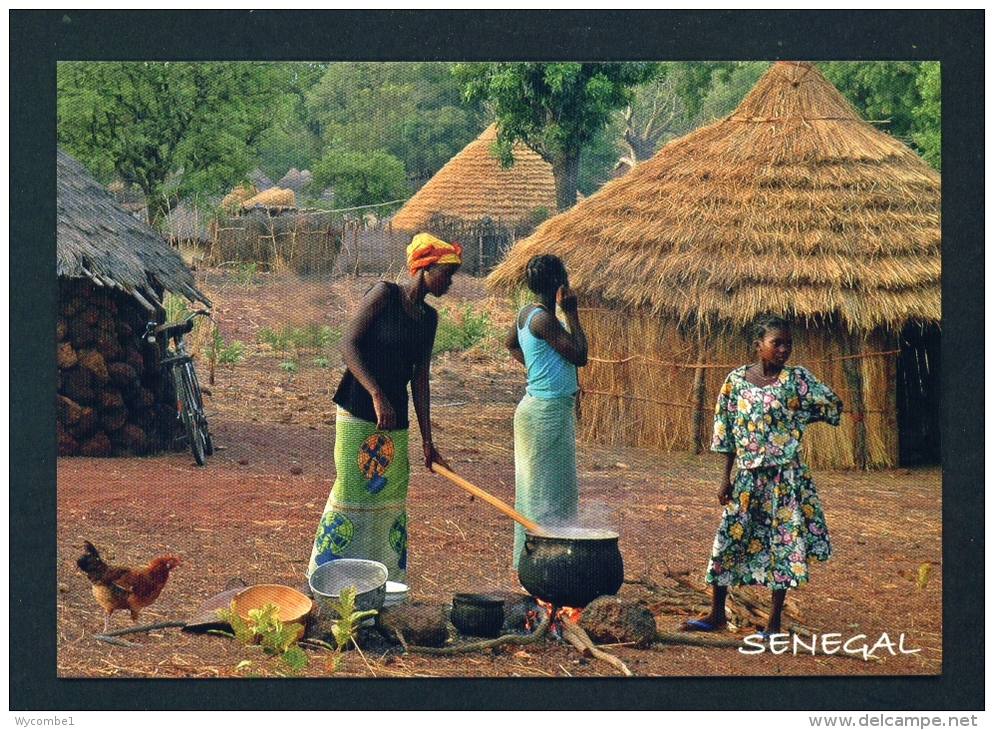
(477, 614)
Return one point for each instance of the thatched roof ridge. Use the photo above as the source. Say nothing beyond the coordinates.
(100, 241)
(791, 203)
(473, 185)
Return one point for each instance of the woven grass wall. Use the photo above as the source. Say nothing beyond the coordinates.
(641, 384)
(302, 242)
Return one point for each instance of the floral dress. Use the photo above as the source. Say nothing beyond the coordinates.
(774, 523)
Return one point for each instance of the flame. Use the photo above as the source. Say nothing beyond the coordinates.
(561, 612)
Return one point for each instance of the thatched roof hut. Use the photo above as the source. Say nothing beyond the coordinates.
(473, 186)
(792, 204)
(295, 180)
(99, 241)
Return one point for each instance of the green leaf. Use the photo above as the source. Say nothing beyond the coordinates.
(294, 658)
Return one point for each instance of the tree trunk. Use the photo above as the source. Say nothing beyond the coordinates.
(566, 171)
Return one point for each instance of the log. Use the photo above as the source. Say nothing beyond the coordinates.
(578, 638)
(97, 445)
(94, 362)
(85, 425)
(110, 400)
(113, 420)
(65, 444)
(80, 334)
(122, 374)
(90, 314)
(65, 356)
(68, 411)
(108, 346)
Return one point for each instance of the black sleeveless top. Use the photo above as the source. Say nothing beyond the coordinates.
(394, 343)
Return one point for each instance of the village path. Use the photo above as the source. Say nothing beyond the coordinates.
(250, 513)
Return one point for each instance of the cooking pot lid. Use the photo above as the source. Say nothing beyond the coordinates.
(576, 533)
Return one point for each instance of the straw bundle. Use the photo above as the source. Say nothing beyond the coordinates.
(791, 204)
(473, 186)
(272, 198)
(238, 195)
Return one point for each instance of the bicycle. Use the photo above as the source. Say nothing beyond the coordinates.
(189, 399)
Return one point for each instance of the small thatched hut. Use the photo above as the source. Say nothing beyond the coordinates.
(295, 180)
(113, 270)
(792, 204)
(473, 187)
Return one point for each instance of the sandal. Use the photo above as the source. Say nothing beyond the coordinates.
(699, 624)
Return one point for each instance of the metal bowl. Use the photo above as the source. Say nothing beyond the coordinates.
(396, 593)
(367, 576)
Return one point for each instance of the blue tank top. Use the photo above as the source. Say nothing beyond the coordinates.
(550, 375)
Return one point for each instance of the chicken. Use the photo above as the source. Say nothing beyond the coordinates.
(119, 587)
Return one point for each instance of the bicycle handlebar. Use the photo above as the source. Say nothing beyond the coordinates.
(172, 329)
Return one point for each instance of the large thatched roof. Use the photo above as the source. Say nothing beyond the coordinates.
(100, 241)
(792, 203)
(473, 185)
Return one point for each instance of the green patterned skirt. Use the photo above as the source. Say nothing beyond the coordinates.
(366, 513)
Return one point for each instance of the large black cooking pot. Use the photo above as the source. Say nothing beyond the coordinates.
(571, 567)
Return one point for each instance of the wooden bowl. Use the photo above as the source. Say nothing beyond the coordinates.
(294, 606)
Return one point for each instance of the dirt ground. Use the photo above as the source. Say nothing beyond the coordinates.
(250, 513)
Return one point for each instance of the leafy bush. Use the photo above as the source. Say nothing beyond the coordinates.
(304, 337)
(460, 329)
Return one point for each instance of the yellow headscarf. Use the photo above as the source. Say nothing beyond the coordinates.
(425, 250)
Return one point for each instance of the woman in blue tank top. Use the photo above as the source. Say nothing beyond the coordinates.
(545, 488)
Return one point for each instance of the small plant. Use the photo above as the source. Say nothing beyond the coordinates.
(343, 629)
(223, 354)
(299, 338)
(461, 329)
(288, 366)
(245, 272)
(321, 362)
(264, 630)
(175, 307)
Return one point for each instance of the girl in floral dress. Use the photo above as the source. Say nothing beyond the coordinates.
(773, 523)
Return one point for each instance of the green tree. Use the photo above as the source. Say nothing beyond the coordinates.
(360, 178)
(884, 93)
(148, 121)
(292, 140)
(927, 131)
(554, 108)
(664, 107)
(412, 111)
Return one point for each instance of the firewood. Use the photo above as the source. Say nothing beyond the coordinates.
(94, 362)
(578, 637)
(97, 445)
(113, 420)
(67, 410)
(65, 356)
(122, 374)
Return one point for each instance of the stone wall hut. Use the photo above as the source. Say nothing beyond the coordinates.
(792, 204)
(472, 188)
(113, 270)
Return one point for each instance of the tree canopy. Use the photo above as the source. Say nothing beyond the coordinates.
(411, 111)
(554, 108)
(147, 121)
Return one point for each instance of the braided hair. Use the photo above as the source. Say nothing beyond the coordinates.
(763, 323)
(545, 273)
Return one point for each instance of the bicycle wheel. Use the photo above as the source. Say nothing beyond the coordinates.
(198, 409)
(187, 412)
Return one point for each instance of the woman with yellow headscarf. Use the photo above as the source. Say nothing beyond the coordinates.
(386, 345)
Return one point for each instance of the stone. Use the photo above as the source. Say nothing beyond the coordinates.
(421, 624)
(614, 620)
